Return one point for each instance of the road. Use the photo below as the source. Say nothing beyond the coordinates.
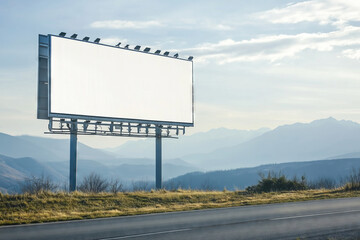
(273, 221)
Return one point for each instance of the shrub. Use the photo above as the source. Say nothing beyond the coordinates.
(326, 183)
(276, 183)
(353, 181)
(36, 185)
(93, 183)
(140, 185)
(115, 186)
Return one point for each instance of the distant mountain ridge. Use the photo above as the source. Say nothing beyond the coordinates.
(319, 139)
(337, 170)
(213, 150)
(13, 171)
(198, 143)
(46, 149)
(55, 150)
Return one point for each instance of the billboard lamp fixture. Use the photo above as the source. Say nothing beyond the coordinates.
(86, 39)
(190, 58)
(147, 49)
(50, 125)
(97, 40)
(85, 125)
(74, 36)
(127, 46)
(62, 34)
(61, 123)
(157, 51)
(137, 47)
(166, 53)
(176, 55)
(118, 45)
(111, 128)
(119, 127)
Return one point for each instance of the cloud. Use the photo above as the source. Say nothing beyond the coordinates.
(122, 24)
(274, 48)
(222, 27)
(332, 12)
(352, 53)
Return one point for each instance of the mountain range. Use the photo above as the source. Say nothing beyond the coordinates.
(46, 149)
(329, 171)
(320, 139)
(217, 149)
(13, 171)
(198, 143)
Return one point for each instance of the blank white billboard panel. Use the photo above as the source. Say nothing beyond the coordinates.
(95, 80)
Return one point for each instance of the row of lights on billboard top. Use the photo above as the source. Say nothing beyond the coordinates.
(147, 49)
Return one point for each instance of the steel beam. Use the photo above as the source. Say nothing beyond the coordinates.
(73, 155)
(158, 171)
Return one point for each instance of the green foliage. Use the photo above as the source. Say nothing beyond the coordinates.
(277, 183)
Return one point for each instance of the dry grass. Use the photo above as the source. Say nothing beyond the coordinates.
(46, 207)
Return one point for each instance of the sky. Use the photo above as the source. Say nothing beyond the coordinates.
(256, 63)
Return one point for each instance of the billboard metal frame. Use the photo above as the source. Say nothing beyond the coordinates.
(74, 125)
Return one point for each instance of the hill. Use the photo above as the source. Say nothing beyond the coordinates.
(336, 170)
(319, 139)
(198, 143)
(46, 149)
(13, 171)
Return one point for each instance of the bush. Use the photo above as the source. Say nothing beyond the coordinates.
(325, 183)
(93, 183)
(276, 183)
(353, 181)
(36, 185)
(115, 186)
(140, 186)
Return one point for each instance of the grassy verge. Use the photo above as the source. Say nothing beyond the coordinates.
(47, 207)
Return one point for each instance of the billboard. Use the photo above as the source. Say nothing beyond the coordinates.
(95, 81)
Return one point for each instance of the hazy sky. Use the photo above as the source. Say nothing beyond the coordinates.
(257, 63)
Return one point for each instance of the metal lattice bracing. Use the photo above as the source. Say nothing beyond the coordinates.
(106, 128)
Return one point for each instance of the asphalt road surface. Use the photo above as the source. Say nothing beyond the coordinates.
(274, 221)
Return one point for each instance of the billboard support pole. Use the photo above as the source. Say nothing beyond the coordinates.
(158, 172)
(73, 154)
